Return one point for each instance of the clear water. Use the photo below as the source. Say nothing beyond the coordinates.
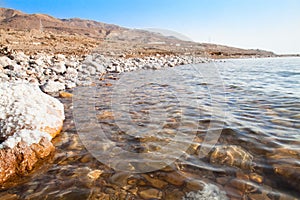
(162, 130)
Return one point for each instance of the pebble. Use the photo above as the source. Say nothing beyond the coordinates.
(95, 174)
(174, 178)
(258, 197)
(5, 61)
(232, 155)
(106, 115)
(194, 185)
(8, 197)
(155, 182)
(151, 194)
(65, 94)
(59, 67)
(256, 178)
(120, 179)
(53, 86)
(233, 192)
(175, 194)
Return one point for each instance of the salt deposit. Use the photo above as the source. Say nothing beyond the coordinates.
(25, 112)
(28, 136)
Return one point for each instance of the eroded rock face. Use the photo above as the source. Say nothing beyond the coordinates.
(232, 155)
(29, 119)
(21, 159)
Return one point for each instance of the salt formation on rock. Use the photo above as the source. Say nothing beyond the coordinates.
(29, 119)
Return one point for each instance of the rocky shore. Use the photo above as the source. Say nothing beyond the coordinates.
(58, 72)
(22, 75)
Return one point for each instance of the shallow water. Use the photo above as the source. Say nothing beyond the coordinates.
(161, 134)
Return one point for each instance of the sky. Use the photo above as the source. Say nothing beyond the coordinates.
(253, 24)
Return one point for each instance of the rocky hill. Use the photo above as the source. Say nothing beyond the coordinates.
(43, 33)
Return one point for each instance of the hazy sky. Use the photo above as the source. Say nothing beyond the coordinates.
(265, 24)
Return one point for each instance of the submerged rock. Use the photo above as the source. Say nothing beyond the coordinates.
(29, 119)
(151, 194)
(65, 94)
(284, 163)
(232, 155)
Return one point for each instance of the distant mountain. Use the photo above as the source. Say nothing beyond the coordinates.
(169, 33)
(112, 38)
(17, 20)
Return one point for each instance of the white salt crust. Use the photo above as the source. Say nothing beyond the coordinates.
(24, 111)
(209, 192)
(28, 136)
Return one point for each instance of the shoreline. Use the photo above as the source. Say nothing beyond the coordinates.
(92, 65)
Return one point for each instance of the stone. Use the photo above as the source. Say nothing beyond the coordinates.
(120, 179)
(70, 85)
(8, 196)
(53, 86)
(21, 57)
(232, 192)
(65, 94)
(95, 174)
(175, 194)
(156, 67)
(284, 166)
(39, 62)
(174, 178)
(222, 180)
(258, 197)
(117, 69)
(106, 115)
(150, 194)
(60, 57)
(194, 185)
(59, 67)
(256, 178)
(43, 148)
(155, 182)
(238, 184)
(71, 64)
(91, 70)
(5, 61)
(232, 155)
(289, 173)
(100, 68)
(71, 73)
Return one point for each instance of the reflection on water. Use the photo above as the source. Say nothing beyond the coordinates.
(257, 155)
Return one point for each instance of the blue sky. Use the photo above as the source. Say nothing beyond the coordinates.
(266, 24)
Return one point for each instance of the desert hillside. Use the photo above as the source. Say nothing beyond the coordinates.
(43, 33)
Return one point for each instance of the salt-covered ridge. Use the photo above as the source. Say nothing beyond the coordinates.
(25, 112)
(29, 119)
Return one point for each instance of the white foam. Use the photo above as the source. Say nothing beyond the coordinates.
(24, 111)
(209, 192)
